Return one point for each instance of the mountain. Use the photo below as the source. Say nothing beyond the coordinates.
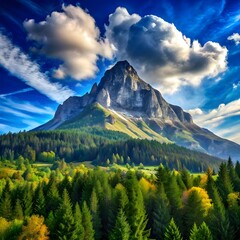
(124, 102)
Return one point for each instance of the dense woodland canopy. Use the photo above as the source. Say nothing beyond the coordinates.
(102, 147)
(45, 193)
(74, 202)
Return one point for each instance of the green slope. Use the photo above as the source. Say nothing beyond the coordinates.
(97, 115)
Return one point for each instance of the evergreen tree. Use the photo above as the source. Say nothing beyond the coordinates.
(66, 223)
(174, 195)
(172, 232)
(161, 215)
(39, 203)
(224, 182)
(52, 198)
(121, 230)
(193, 211)
(6, 207)
(95, 215)
(18, 212)
(27, 201)
(137, 217)
(218, 219)
(235, 180)
(79, 230)
(87, 223)
(201, 233)
(186, 178)
(237, 168)
(51, 224)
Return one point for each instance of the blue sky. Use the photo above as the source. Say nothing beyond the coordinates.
(189, 50)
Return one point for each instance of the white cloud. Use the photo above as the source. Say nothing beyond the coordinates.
(73, 37)
(21, 66)
(16, 92)
(162, 54)
(236, 85)
(26, 107)
(5, 128)
(235, 37)
(215, 117)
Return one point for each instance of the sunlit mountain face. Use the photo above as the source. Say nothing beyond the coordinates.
(188, 50)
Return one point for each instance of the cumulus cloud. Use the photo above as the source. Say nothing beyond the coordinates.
(235, 37)
(72, 37)
(215, 117)
(162, 54)
(20, 65)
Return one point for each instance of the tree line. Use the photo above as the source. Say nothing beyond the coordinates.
(102, 147)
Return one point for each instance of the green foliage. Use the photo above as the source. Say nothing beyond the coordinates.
(121, 230)
(172, 232)
(66, 223)
(117, 203)
(201, 233)
(87, 144)
(87, 223)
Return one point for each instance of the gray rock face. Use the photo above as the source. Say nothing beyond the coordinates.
(121, 89)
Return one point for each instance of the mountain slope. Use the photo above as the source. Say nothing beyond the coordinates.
(97, 115)
(128, 104)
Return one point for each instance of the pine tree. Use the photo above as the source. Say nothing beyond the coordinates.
(162, 175)
(218, 219)
(186, 178)
(172, 232)
(51, 224)
(121, 230)
(95, 215)
(235, 180)
(237, 168)
(193, 232)
(6, 207)
(66, 223)
(161, 215)
(39, 203)
(193, 211)
(27, 201)
(201, 233)
(174, 195)
(224, 182)
(52, 199)
(87, 223)
(18, 212)
(136, 214)
(79, 230)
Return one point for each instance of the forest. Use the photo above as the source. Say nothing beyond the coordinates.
(67, 201)
(102, 147)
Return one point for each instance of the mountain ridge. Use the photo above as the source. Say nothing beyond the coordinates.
(131, 105)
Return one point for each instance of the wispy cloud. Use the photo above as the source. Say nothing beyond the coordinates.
(6, 128)
(235, 37)
(14, 112)
(219, 120)
(215, 117)
(20, 65)
(16, 92)
(26, 107)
